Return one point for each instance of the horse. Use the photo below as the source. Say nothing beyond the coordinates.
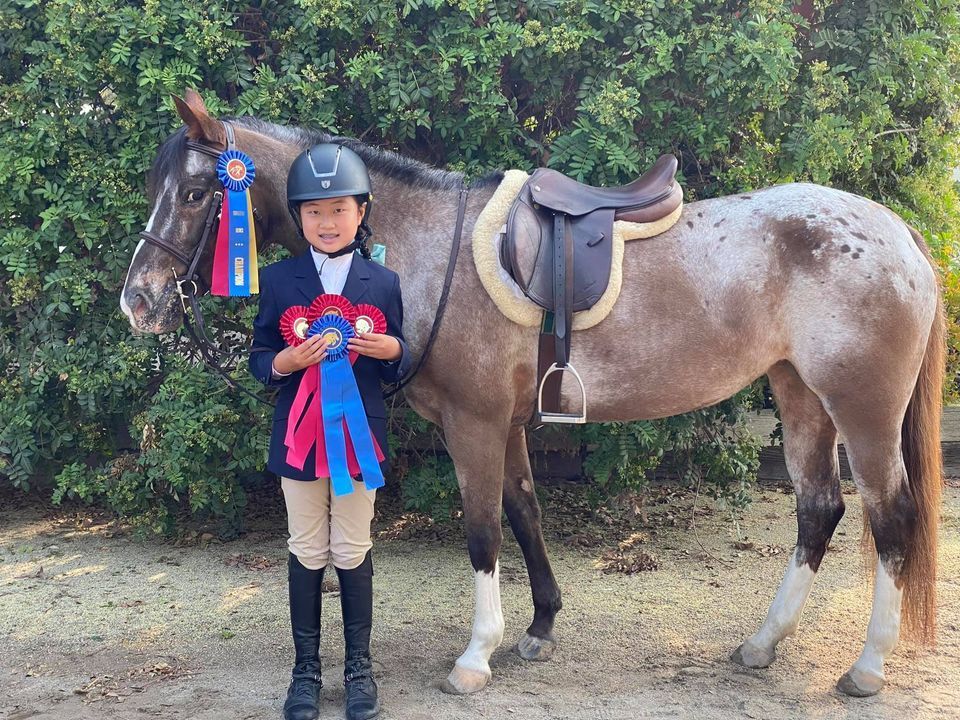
(830, 295)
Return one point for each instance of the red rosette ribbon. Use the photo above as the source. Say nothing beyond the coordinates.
(294, 323)
(330, 304)
(369, 319)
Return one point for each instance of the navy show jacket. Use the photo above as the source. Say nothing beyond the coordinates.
(295, 281)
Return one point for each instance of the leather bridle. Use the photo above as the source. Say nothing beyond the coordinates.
(188, 284)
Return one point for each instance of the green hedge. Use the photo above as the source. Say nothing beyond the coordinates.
(860, 95)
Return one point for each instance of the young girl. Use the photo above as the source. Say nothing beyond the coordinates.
(328, 194)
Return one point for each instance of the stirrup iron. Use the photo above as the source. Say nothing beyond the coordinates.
(560, 417)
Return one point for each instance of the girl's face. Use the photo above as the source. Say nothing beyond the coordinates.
(331, 224)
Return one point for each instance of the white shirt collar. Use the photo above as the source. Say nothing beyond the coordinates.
(332, 271)
(319, 258)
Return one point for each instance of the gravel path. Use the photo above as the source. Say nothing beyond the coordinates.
(95, 624)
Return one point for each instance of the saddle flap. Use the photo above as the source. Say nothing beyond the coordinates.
(526, 252)
(556, 191)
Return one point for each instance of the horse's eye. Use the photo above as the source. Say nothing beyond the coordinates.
(195, 196)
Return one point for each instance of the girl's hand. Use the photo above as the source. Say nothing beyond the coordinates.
(309, 352)
(381, 347)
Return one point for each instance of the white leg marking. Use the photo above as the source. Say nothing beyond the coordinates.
(882, 632)
(487, 623)
(782, 619)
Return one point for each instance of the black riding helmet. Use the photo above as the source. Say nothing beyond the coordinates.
(326, 170)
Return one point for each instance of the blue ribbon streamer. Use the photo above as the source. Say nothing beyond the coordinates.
(340, 401)
(239, 243)
(334, 409)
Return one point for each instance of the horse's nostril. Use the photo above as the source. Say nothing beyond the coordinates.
(139, 303)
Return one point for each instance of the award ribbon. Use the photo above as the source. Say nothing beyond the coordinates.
(368, 319)
(331, 304)
(235, 253)
(294, 323)
(341, 405)
(327, 412)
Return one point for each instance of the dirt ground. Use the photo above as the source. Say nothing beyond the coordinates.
(97, 624)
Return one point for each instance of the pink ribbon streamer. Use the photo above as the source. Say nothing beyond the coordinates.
(305, 429)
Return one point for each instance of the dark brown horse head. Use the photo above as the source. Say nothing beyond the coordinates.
(180, 186)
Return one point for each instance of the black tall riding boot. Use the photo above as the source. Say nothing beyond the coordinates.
(303, 695)
(356, 601)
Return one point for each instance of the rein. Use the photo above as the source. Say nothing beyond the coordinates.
(442, 305)
(188, 288)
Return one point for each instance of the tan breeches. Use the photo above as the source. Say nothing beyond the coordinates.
(324, 526)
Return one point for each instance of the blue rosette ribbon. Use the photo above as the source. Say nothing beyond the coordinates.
(235, 170)
(341, 404)
(235, 262)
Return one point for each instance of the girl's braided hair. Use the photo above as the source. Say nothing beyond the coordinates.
(364, 232)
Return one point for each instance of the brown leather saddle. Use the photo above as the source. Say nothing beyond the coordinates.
(558, 248)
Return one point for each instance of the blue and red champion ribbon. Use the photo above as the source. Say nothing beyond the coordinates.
(327, 412)
(235, 253)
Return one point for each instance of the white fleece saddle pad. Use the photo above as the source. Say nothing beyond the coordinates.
(507, 295)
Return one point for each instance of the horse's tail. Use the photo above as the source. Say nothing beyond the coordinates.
(920, 441)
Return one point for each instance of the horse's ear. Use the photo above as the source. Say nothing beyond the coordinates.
(200, 125)
(195, 100)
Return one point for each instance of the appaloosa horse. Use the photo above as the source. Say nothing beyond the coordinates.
(831, 295)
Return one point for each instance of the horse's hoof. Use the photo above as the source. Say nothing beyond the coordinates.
(752, 656)
(534, 648)
(463, 681)
(860, 684)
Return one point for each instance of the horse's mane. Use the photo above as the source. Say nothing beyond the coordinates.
(385, 162)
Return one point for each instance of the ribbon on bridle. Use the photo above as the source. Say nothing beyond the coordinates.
(327, 413)
(187, 284)
(235, 252)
